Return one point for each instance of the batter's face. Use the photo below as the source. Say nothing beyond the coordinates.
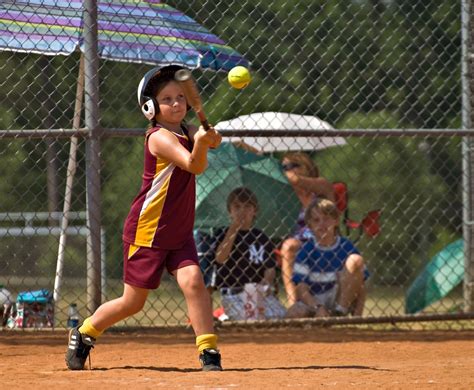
(172, 103)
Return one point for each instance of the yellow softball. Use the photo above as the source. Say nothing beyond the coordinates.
(239, 77)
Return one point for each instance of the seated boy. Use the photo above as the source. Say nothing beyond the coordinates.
(329, 271)
(244, 255)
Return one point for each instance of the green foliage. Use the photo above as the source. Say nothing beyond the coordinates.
(419, 202)
(123, 162)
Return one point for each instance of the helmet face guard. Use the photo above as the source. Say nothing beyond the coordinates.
(145, 93)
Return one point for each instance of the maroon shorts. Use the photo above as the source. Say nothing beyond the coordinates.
(143, 267)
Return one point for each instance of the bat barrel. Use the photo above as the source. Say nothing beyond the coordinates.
(183, 75)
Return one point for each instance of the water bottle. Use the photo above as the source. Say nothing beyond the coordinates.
(72, 316)
(20, 315)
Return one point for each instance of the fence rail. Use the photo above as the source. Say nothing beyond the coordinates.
(107, 133)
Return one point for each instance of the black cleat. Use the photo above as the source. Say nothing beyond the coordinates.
(210, 360)
(78, 349)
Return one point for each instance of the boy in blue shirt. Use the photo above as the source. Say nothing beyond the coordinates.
(329, 271)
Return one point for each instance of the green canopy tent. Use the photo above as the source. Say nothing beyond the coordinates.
(230, 167)
(439, 277)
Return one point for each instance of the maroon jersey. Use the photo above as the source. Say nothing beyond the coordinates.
(162, 214)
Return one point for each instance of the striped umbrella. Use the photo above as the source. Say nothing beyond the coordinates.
(146, 31)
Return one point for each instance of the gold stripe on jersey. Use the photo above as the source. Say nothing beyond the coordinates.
(132, 249)
(152, 208)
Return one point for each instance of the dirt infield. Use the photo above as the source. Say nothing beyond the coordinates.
(310, 358)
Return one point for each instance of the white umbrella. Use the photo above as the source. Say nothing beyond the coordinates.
(280, 121)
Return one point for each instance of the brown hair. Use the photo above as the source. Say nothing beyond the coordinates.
(243, 195)
(326, 206)
(304, 160)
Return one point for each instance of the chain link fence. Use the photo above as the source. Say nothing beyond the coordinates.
(375, 93)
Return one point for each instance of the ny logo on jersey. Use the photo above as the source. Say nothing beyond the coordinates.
(257, 255)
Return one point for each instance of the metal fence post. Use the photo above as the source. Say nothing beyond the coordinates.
(468, 157)
(92, 155)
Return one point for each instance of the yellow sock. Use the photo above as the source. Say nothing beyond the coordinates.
(88, 329)
(206, 341)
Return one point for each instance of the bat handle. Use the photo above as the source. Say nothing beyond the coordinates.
(203, 120)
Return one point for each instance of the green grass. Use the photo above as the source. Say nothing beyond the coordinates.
(166, 307)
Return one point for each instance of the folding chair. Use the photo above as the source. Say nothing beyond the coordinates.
(369, 224)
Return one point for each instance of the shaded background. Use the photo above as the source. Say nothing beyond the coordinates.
(393, 64)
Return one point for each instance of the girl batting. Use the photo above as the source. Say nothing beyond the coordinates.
(158, 232)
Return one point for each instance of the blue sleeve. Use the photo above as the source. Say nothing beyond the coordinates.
(366, 273)
(303, 252)
(297, 278)
(301, 256)
(352, 249)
